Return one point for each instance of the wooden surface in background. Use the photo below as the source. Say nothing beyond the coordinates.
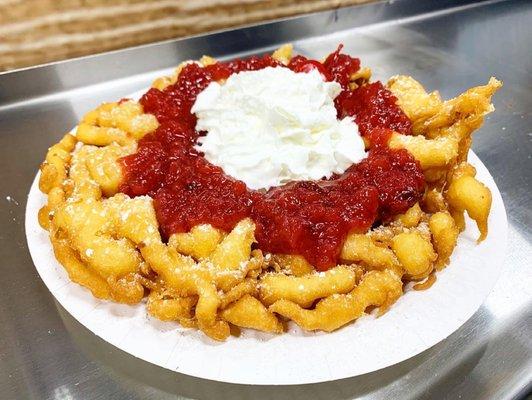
(38, 31)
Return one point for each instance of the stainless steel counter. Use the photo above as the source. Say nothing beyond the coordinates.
(45, 354)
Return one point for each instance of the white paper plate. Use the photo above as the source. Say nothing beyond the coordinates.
(418, 320)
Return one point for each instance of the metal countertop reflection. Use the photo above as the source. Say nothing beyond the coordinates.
(446, 45)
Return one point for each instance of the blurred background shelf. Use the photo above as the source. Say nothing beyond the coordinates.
(38, 31)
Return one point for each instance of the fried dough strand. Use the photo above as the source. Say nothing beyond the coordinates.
(377, 288)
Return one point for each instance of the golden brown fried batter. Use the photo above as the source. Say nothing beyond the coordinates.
(211, 280)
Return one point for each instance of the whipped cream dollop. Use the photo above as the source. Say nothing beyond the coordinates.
(273, 126)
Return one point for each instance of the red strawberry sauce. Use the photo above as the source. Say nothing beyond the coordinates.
(310, 218)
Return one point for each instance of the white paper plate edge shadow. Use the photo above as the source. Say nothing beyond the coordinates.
(418, 321)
